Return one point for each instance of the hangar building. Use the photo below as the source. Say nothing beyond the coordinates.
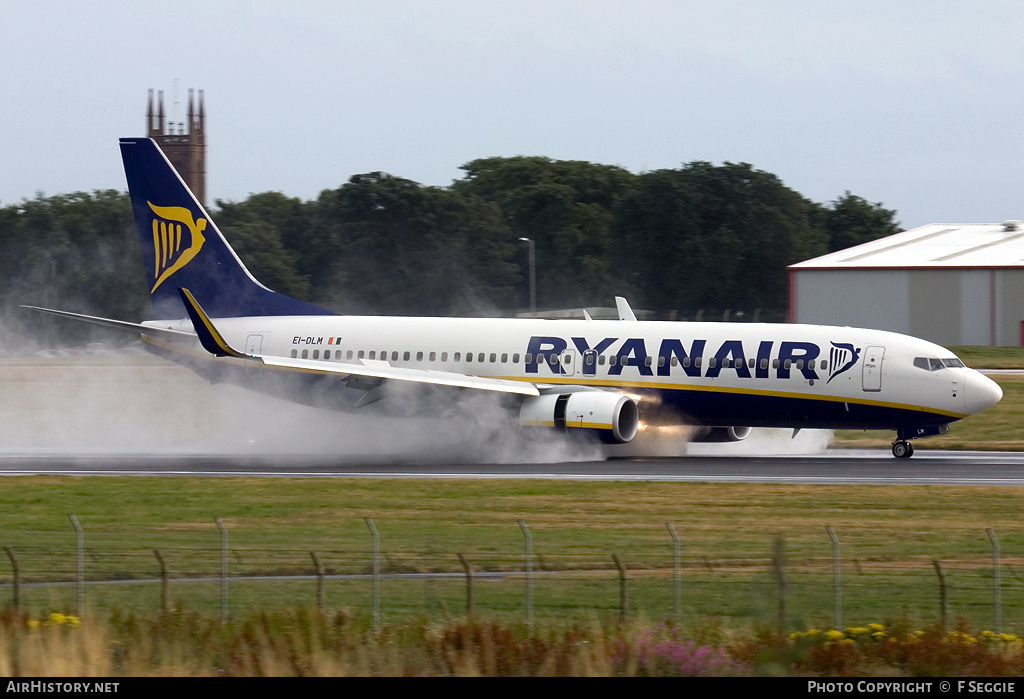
(953, 284)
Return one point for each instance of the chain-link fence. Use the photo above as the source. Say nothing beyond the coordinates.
(389, 582)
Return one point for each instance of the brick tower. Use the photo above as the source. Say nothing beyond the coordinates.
(184, 143)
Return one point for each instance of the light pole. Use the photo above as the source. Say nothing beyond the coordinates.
(533, 274)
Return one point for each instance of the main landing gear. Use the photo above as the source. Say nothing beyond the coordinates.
(902, 449)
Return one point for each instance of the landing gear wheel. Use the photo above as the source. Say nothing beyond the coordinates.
(902, 449)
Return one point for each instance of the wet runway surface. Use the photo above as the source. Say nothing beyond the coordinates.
(834, 466)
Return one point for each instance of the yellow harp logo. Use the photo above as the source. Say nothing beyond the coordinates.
(167, 242)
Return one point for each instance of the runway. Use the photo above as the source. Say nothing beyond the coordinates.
(835, 466)
(139, 416)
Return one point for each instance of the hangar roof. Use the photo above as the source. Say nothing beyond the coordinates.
(937, 245)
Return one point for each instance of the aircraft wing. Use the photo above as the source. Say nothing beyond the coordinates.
(214, 343)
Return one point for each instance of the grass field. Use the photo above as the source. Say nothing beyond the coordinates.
(889, 535)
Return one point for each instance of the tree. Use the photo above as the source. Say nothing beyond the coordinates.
(850, 220)
(422, 250)
(565, 207)
(706, 236)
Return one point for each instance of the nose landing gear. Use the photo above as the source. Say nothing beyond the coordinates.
(901, 446)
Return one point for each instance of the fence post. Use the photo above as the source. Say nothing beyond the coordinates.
(376, 572)
(778, 565)
(996, 602)
(17, 576)
(223, 570)
(623, 587)
(470, 605)
(79, 563)
(836, 576)
(165, 582)
(675, 570)
(529, 573)
(943, 593)
(321, 597)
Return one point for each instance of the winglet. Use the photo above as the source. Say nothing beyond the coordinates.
(622, 306)
(213, 342)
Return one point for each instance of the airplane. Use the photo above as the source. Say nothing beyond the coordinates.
(607, 378)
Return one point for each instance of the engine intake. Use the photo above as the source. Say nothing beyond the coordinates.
(613, 416)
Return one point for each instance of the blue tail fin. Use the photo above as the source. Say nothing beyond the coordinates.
(182, 247)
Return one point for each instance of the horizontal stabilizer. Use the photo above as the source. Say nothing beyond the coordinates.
(150, 330)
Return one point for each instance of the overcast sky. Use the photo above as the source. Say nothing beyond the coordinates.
(915, 104)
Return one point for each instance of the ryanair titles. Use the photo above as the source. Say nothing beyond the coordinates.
(769, 358)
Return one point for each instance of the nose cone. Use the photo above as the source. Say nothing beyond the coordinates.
(982, 392)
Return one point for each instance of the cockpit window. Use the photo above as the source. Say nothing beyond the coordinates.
(933, 364)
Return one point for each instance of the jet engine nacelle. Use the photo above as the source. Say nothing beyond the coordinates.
(722, 434)
(614, 416)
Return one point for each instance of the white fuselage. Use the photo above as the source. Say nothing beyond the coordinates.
(705, 373)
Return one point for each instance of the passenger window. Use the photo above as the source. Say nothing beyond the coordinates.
(373, 354)
(419, 356)
(800, 364)
(305, 354)
(686, 361)
(480, 357)
(764, 362)
(823, 365)
(327, 354)
(750, 363)
(675, 361)
(348, 355)
(316, 354)
(661, 361)
(788, 363)
(295, 353)
(494, 357)
(588, 359)
(405, 357)
(601, 360)
(612, 360)
(433, 356)
(775, 363)
(504, 357)
(649, 361)
(457, 356)
(738, 363)
(553, 359)
(696, 361)
(469, 356)
(529, 358)
(515, 358)
(712, 363)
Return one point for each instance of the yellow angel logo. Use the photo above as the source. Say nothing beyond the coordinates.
(169, 257)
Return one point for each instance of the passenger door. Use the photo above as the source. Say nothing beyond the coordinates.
(871, 376)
